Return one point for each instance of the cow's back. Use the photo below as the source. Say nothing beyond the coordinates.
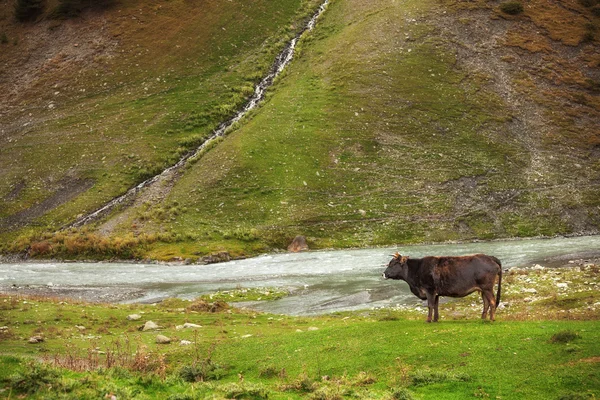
(461, 275)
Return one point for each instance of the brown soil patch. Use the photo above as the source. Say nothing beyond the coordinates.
(68, 189)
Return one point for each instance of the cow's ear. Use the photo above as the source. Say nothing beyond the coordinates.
(404, 259)
(397, 255)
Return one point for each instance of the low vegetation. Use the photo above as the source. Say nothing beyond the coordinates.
(544, 345)
(511, 7)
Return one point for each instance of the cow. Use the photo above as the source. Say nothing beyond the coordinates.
(432, 277)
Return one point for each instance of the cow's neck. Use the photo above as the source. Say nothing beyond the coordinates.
(413, 275)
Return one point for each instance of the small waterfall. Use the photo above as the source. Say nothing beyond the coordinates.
(281, 61)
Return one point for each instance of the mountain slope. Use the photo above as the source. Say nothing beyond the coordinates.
(397, 122)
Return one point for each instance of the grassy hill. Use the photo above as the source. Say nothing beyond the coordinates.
(397, 122)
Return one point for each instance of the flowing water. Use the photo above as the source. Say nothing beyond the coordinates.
(319, 281)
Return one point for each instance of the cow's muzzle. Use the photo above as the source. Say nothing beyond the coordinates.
(384, 276)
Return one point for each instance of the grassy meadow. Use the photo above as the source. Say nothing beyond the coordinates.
(542, 346)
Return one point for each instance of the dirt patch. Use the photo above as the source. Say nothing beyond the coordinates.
(15, 192)
(93, 294)
(68, 189)
(591, 360)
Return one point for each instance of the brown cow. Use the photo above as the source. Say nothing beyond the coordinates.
(432, 277)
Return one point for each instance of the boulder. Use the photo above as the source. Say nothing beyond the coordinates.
(162, 339)
(35, 339)
(150, 326)
(188, 325)
(298, 244)
(134, 317)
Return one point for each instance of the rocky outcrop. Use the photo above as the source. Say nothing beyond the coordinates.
(298, 244)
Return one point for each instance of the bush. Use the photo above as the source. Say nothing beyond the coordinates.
(35, 377)
(564, 337)
(245, 391)
(511, 7)
(26, 10)
(428, 377)
(401, 394)
(72, 8)
(204, 371)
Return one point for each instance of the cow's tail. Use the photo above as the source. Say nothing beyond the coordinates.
(499, 281)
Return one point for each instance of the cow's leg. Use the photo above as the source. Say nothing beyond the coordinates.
(430, 305)
(486, 305)
(492, 303)
(436, 314)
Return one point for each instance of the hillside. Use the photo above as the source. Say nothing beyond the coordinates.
(396, 122)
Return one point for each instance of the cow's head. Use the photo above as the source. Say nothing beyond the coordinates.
(397, 268)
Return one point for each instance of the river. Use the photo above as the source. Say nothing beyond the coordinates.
(319, 281)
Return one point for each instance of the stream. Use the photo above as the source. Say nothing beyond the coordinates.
(318, 281)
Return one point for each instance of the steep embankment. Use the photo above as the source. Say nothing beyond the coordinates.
(397, 122)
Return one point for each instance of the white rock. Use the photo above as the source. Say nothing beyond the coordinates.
(36, 339)
(313, 328)
(134, 317)
(529, 290)
(562, 285)
(188, 325)
(537, 267)
(161, 339)
(149, 326)
(185, 343)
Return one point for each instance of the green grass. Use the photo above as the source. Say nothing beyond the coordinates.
(346, 355)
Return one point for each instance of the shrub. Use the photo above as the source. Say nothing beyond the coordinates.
(26, 10)
(72, 8)
(35, 377)
(588, 37)
(205, 370)
(511, 7)
(564, 337)
(428, 377)
(401, 394)
(245, 391)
